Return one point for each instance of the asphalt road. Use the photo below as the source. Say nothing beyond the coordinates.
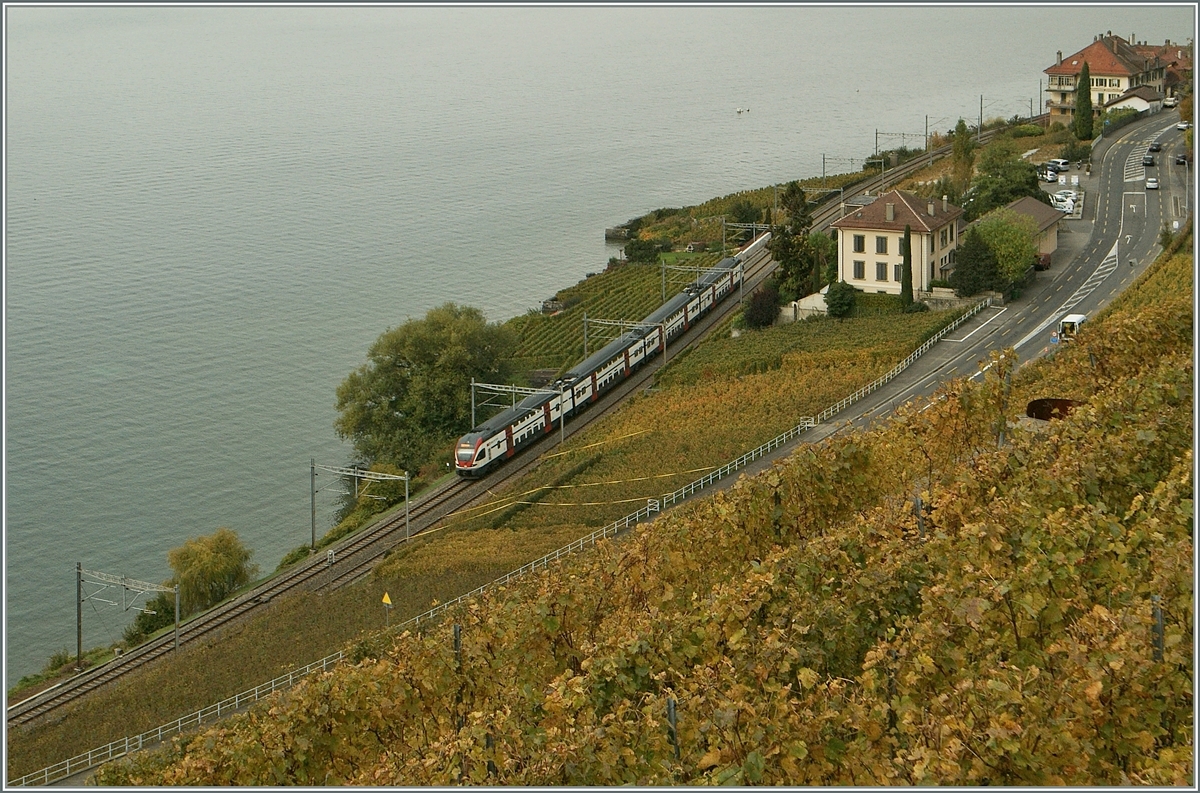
(1120, 221)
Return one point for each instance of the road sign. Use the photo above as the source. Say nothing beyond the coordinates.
(387, 601)
(1054, 337)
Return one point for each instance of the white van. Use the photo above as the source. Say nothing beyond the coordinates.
(1068, 326)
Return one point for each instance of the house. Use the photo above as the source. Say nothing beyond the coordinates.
(1114, 67)
(1046, 217)
(1143, 99)
(1177, 58)
(870, 241)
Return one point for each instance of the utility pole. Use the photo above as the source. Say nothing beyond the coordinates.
(312, 492)
(979, 134)
(79, 616)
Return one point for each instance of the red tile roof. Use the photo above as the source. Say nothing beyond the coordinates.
(1044, 215)
(1102, 60)
(910, 210)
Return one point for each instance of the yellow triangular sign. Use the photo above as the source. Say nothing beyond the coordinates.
(387, 601)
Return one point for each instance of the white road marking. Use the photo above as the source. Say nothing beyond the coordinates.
(972, 333)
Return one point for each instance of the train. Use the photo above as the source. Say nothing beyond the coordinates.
(505, 434)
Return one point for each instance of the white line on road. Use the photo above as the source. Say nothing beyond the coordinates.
(972, 333)
(1103, 271)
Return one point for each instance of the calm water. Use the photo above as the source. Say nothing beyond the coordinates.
(212, 212)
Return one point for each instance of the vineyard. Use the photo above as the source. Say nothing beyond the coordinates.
(951, 598)
(721, 399)
(629, 292)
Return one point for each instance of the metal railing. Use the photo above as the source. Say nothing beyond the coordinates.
(124, 746)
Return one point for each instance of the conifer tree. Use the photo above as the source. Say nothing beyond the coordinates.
(1083, 105)
(906, 278)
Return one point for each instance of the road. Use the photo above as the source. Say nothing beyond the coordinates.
(1120, 222)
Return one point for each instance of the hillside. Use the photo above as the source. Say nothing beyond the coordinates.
(809, 626)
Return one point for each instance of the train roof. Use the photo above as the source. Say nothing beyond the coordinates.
(608, 351)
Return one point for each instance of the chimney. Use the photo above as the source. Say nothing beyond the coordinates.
(945, 203)
(891, 212)
(931, 212)
(1059, 58)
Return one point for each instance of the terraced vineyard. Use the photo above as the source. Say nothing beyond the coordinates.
(628, 292)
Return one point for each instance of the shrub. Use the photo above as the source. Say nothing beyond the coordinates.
(763, 307)
(1027, 131)
(840, 299)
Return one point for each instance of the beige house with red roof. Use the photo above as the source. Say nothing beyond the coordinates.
(870, 241)
(1114, 67)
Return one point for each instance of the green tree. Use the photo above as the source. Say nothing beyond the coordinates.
(795, 203)
(840, 299)
(1003, 177)
(1082, 124)
(975, 266)
(906, 278)
(159, 613)
(642, 251)
(209, 568)
(822, 249)
(962, 157)
(413, 395)
(1010, 237)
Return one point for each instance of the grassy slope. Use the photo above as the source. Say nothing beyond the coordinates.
(811, 630)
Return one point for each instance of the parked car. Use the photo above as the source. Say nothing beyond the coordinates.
(1049, 176)
(1171, 101)
(1062, 204)
(1182, 125)
(1042, 262)
(1060, 165)
(1148, 159)
(1071, 194)
(1151, 183)
(1155, 146)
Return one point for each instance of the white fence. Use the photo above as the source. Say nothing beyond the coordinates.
(123, 747)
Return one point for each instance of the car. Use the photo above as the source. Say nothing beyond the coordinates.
(1049, 176)
(1155, 146)
(1059, 165)
(1148, 159)
(1062, 204)
(1181, 159)
(1070, 195)
(1182, 125)
(1151, 183)
(1171, 101)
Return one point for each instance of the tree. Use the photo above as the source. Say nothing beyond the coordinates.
(1082, 124)
(642, 251)
(795, 204)
(822, 250)
(788, 250)
(906, 278)
(1009, 235)
(840, 299)
(413, 395)
(962, 157)
(762, 308)
(1003, 178)
(975, 266)
(209, 568)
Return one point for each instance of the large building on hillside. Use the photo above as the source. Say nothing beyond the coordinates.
(1114, 66)
(870, 242)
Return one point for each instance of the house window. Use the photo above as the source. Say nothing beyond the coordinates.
(931, 243)
(881, 244)
(880, 271)
(897, 276)
(952, 233)
(900, 246)
(944, 237)
(860, 271)
(860, 243)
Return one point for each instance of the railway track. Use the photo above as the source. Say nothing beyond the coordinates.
(354, 557)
